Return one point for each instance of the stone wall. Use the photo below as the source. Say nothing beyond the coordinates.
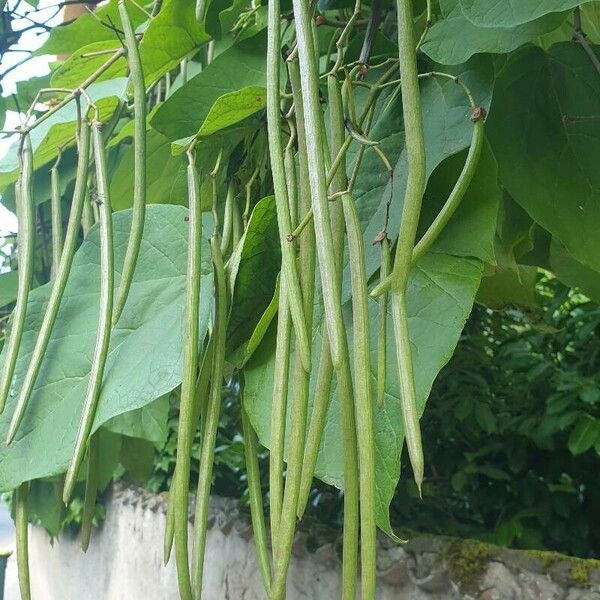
(124, 562)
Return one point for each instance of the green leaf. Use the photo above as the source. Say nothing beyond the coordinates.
(447, 129)
(242, 65)
(9, 283)
(148, 422)
(86, 29)
(232, 108)
(544, 130)
(454, 39)
(509, 286)
(171, 36)
(166, 181)
(46, 507)
(58, 131)
(137, 457)
(585, 434)
(254, 267)
(144, 360)
(75, 70)
(440, 296)
(500, 13)
(573, 273)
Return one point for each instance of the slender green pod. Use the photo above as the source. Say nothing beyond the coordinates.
(105, 314)
(362, 397)
(87, 218)
(60, 282)
(22, 539)
(315, 142)
(91, 491)
(408, 396)
(288, 255)
(458, 191)
(199, 407)
(238, 226)
(279, 410)
(187, 423)
(211, 421)
(456, 195)
(337, 182)
(25, 251)
(228, 218)
(139, 170)
(56, 212)
(290, 175)
(256, 502)
(415, 188)
(382, 323)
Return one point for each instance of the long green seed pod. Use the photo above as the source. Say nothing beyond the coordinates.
(56, 212)
(256, 503)
(25, 250)
(315, 142)
(288, 258)
(60, 282)
(382, 325)
(105, 314)
(457, 193)
(91, 491)
(337, 181)
(238, 226)
(415, 188)
(228, 218)
(199, 407)
(187, 423)
(211, 421)
(87, 219)
(279, 410)
(362, 397)
(139, 169)
(22, 539)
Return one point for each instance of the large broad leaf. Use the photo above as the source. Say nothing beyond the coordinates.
(440, 297)
(166, 181)
(545, 132)
(254, 267)
(171, 35)
(241, 66)
(74, 71)
(148, 422)
(573, 273)
(144, 360)
(448, 130)
(58, 131)
(500, 13)
(232, 108)
(454, 39)
(88, 28)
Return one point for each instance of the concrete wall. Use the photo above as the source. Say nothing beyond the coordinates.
(124, 562)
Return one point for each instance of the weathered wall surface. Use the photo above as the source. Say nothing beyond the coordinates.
(124, 562)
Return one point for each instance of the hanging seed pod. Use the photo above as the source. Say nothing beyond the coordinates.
(25, 251)
(211, 421)
(139, 169)
(60, 282)
(91, 492)
(22, 539)
(187, 422)
(105, 315)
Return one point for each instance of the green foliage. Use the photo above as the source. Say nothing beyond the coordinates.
(512, 427)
